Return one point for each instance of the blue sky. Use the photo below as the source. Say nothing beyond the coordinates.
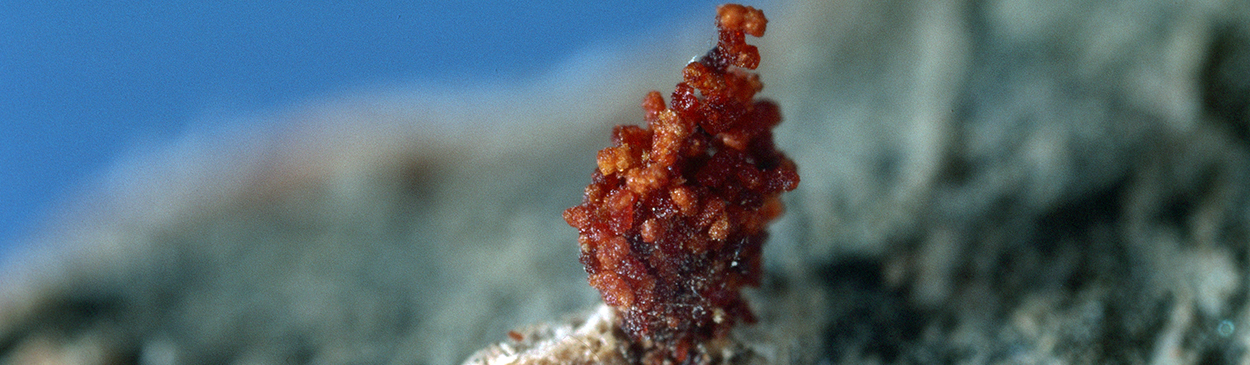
(83, 82)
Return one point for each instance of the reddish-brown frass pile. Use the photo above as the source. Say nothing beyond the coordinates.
(673, 222)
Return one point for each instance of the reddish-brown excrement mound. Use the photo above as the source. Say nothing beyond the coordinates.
(674, 218)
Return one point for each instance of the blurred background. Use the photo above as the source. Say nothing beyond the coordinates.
(984, 181)
(85, 83)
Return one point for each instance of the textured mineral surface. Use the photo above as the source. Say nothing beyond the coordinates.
(984, 182)
(597, 338)
(672, 225)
